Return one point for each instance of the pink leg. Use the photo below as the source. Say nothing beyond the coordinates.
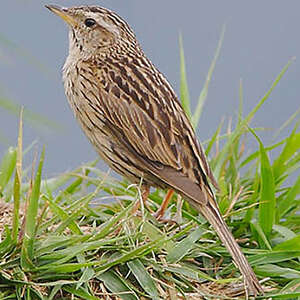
(161, 211)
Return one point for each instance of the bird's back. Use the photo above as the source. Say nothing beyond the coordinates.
(124, 103)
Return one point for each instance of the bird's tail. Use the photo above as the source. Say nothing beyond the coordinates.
(212, 214)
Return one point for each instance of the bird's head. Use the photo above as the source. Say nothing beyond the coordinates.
(94, 30)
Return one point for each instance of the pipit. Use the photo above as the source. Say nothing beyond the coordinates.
(131, 115)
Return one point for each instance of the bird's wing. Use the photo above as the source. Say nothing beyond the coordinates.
(139, 102)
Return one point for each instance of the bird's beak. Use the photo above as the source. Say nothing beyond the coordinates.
(63, 13)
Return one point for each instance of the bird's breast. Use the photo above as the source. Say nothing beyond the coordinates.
(83, 94)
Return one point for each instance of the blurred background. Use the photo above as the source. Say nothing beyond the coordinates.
(261, 37)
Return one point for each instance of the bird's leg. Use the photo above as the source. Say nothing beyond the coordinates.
(145, 191)
(178, 215)
(161, 211)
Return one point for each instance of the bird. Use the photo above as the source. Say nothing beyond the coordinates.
(135, 121)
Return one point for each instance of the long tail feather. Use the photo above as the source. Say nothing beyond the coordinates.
(213, 216)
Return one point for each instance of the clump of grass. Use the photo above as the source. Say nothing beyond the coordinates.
(70, 240)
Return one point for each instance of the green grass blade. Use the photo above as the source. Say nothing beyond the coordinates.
(289, 201)
(83, 294)
(65, 268)
(7, 167)
(243, 124)
(7, 243)
(291, 244)
(143, 277)
(135, 253)
(184, 246)
(253, 198)
(154, 233)
(203, 95)
(184, 91)
(256, 154)
(69, 252)
(293, 285)
(284, 231)
(267, 203)
(64, 216)
(108, 226)
(273, 256)
(54, 291)
(18, 181)
(287, 123)
(214, 138)
(291, 147)
(31, 218)
(262, 237)
(117, 286)
(271, 270)
(186, 271)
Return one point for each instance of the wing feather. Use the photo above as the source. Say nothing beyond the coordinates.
(144, 108)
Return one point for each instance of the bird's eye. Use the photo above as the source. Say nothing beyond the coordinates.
(89, 22)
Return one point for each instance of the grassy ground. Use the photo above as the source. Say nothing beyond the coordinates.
(64, 237)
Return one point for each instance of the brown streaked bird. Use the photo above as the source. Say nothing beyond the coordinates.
(133, 118)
